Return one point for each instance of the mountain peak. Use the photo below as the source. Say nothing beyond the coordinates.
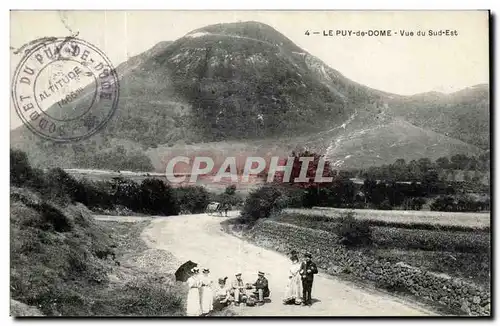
(235, 28)
(249, 30)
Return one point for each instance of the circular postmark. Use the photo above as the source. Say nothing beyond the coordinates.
(65, 89)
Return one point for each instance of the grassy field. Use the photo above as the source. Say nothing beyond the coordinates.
(471, 220)
(403, 237)
(457, 251)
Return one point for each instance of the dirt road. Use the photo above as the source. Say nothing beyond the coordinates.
(201, 239)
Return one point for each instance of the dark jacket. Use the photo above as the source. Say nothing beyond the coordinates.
(308, 276)
(262, 283)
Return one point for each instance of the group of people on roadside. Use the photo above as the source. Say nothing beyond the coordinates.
(203, 296)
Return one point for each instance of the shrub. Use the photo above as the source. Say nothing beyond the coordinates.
(454, 204)
(295, 197)
(158, 198)
(230, 190)
(94, 194)
(192, 199)
(20, 168)
(263, 202)
(413, 203)
(229, 198)
(353, 232)
(41, 215)
(311, 198)
(23, 174)
(126, 193)
(467, 204)
(443, 203)
(385, 205)
(54, 218)
(359, 205)
(394, 284)
(60, 186)
(152, 196)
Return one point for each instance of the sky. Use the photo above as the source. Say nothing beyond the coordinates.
(396, 64)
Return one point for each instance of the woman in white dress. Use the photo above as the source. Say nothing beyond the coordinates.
(207, 295)
(293, 290)
(193, 298)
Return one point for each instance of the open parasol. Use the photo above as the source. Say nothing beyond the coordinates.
(182, 273)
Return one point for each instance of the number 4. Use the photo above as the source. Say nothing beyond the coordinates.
(307, 32)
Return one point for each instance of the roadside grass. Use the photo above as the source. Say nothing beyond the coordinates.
(236, 225)
(118, 210)
(141, 284)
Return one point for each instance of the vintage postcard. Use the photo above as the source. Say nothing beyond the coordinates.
(250, 163)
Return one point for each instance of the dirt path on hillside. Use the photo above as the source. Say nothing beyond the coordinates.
(201, 239)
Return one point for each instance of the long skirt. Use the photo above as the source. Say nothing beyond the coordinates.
(193, 302)
(293, 290)
(207, 299)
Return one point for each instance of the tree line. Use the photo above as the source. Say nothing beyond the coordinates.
(421, 170)
(399, 185)
(424, 168)
(151, 196)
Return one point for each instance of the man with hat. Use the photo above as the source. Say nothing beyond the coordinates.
(307, 270)
(238, 289)
(261, 288)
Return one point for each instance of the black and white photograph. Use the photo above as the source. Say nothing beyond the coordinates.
(221, 163)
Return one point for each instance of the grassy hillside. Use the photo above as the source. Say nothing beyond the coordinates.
(58, 255)
(382, 143)
(99, 152)
(464, 115)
